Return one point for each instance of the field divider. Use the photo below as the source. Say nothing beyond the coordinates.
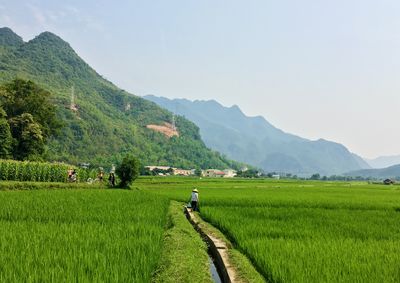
(33, 186)
(218, 249)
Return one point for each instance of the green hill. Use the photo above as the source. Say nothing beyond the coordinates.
(109, 122)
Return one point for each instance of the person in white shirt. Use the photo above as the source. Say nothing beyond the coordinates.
(195, 200)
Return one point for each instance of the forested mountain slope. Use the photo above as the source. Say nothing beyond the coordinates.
(102, 122)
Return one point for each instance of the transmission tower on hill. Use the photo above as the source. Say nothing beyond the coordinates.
(73, 106)
(173, 122)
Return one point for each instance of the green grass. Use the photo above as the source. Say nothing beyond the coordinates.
(184, 258)
(80, 235)
(245, 271)
(27, 186)
(297, 231)
(290, 231)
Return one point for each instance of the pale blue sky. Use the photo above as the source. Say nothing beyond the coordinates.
(315, 68)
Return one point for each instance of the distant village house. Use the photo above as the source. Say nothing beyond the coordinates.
(183, 172)
(230, 173)
(211, 173)
(166, 170)
(215, 173)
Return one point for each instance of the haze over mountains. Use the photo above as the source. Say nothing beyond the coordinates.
(104, 123)
(255, 141)
(384, 161)
(391, 172)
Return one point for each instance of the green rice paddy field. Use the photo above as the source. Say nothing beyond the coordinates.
(80, 235)
(292, 231)
(296, 231)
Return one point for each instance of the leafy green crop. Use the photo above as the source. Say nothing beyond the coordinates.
(11, 170)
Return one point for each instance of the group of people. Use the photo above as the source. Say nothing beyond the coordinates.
(73, 176)
(111, 178)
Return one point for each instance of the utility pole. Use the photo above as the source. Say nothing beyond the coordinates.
(173, 122)
(73, 106)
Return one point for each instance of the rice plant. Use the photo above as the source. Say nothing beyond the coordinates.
(80, 235)
(302, 231)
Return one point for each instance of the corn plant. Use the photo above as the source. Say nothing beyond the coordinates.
(11, 170)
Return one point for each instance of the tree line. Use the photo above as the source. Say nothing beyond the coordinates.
(27, 120)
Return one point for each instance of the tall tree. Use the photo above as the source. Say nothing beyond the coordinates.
(21, 96)
(5, 136)
(28, 137)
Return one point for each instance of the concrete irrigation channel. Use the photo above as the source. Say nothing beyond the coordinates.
(218, 251)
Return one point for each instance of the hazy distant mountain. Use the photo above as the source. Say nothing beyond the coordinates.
(392, 172)
(362, 162)
(254, 140)
(384, 161)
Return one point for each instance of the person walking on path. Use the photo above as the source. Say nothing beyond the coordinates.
(195, 200)
(111, 179)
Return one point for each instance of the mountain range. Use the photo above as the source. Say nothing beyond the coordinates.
(392, 172)
(256, 141)
(101, 122)
(384, 161)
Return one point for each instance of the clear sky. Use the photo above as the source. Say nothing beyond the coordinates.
(319, 69)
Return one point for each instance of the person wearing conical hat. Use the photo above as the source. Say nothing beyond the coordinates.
(195, 200)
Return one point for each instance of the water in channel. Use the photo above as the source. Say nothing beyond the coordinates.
(214, 272)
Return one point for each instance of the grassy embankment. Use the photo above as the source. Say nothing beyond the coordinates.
(184, 257)
(299, 231)
(179, 189)
(245, 271)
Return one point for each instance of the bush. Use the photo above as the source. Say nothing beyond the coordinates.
(128, 170)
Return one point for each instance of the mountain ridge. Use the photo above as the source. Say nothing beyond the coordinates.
(9, 38)
(256, 141)
(391, 172)
(384, 161)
